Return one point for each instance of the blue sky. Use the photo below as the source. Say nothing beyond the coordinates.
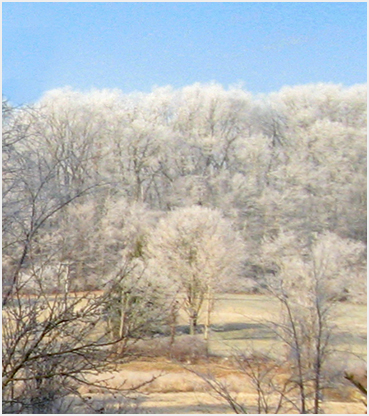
(136, 46)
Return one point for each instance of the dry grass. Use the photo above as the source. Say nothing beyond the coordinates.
(236, 324)
(167, 376)
(254, 310)
(177, 390)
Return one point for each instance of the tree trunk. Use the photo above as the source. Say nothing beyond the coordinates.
(123, 323)
(207, 320)
(193, 323)
(173, 322)
(208, 314)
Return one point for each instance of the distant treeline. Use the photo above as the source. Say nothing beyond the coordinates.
(290, 162)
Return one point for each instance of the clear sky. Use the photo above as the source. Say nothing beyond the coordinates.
(136, 46)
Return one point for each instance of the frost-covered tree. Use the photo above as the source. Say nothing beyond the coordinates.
(293, 160)
(138, 304)
(50, 343)
(197, 249)
(324, 143)
(86, 175)
(211, 120)
(308, 280)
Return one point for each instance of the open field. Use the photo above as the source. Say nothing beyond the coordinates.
(238, 321)
(237, 324)
(178, 391)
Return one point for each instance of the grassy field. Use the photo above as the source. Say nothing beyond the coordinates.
(178, 391)
(238, 323)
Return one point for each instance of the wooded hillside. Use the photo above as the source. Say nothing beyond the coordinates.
(86, 176)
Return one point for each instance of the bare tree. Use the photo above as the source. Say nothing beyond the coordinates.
(31, 197)
(268, 378)
(308, 283)
(53, 338)
(78, 169)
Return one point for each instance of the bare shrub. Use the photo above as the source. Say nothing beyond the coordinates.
(186, 348)
(257, 372)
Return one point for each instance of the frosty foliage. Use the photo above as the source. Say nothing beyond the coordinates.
(121, 209)
(137, 303)
(196, 243)
(308, 279)
(323, 269)
(294, 160)
(198, 252)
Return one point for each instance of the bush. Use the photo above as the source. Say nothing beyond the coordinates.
(185, 348)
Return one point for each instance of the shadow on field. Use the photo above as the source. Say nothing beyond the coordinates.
(258, 331)
(236, 330)
(189, 409)
(236, 326)
(348, 338)
(232, 330)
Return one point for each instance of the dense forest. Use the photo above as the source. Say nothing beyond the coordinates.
(291, 163)
(195, 191)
